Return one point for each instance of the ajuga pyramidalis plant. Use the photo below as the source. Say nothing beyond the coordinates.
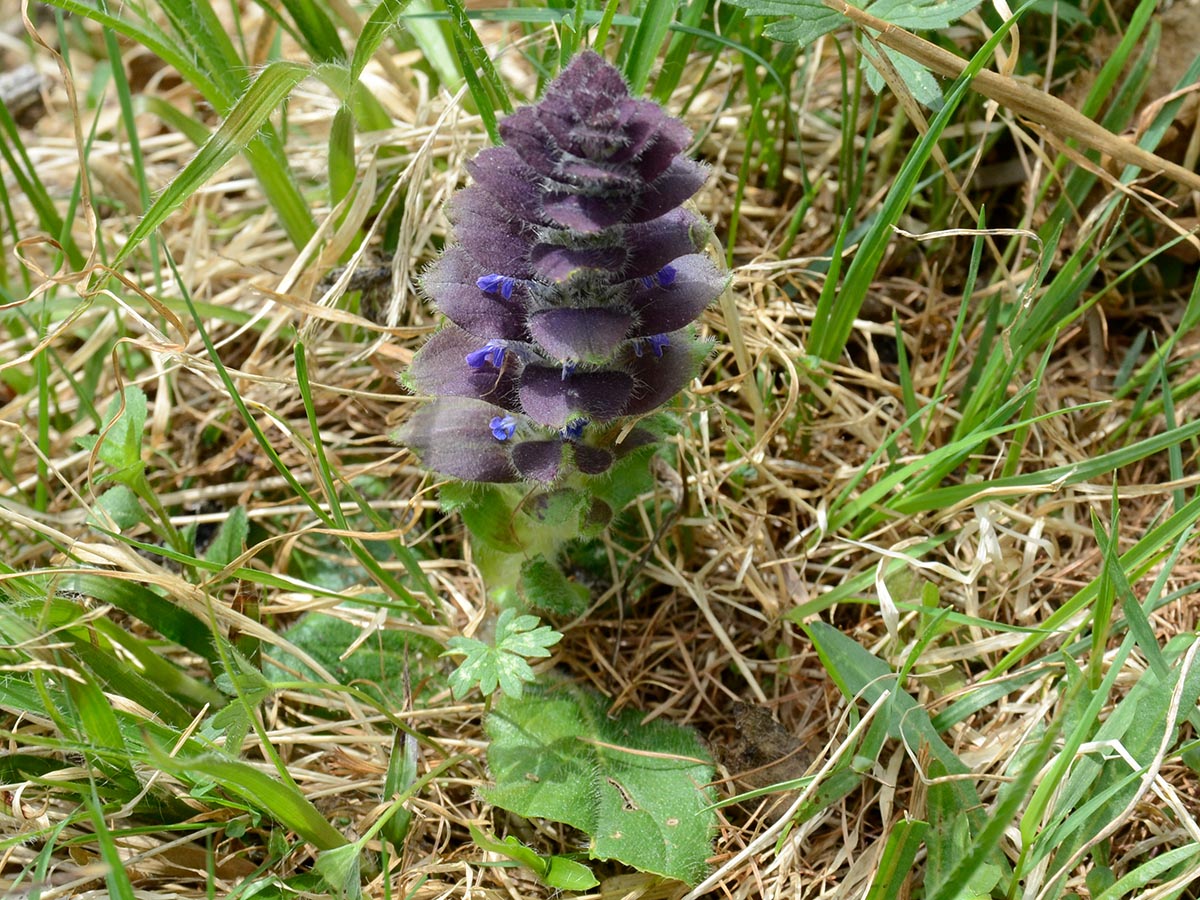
(570, 291)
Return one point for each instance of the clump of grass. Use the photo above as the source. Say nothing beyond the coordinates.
(931, 501)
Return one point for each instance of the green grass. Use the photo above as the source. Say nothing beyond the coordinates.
(933, 499)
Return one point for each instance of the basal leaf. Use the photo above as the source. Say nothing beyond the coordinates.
(376, 665)
(809, 22)
(809, 19)
(921, 15)
(919, 80)
(637, 790)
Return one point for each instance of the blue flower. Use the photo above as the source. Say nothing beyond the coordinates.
(574, 429)
(497, 284)
(503, 427)
(657, 342)
(491, 353)
(664, 277)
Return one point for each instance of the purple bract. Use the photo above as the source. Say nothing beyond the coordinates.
(571, 291)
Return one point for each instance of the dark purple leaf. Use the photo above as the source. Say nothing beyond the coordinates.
(496, 240)
(558, 264)
(529, 138)
(659, 378)
(653, 244)
(591, 334)
(441, 369)
(452, 436)
(661, 309)
(639, 123)
(598, 514)
(581, 107)
(592, 460)
(538, 460)
(510, 182)
(671, 137)
(552, 400)
(682, 179)
(451, 284)
(634, 440)
(583, 213)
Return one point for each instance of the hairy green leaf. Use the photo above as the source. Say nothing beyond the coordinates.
(638, 790)
(545, 587)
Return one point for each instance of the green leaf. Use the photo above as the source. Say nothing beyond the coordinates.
(545, 587)
(1138, 724)
(400, 777)
(340, 869)
(341, 155)
(860, 674)
(120, 438)
(122, 506)
(918, 79)
(810, 19)
(230, 539)
(377, 665)
(486, 511)
(378, 26)
(171, 621)
(921, 15)
(97, 720)
(638, 790)
(653, 27)
(316, 30)
(896, 863)
(554, 871)
(281, 801)
(517, 636)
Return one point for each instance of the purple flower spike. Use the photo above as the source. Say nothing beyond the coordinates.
(572, 269)
(503, 427)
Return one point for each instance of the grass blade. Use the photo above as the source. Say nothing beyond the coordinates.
(236, 133)
(640, 53)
